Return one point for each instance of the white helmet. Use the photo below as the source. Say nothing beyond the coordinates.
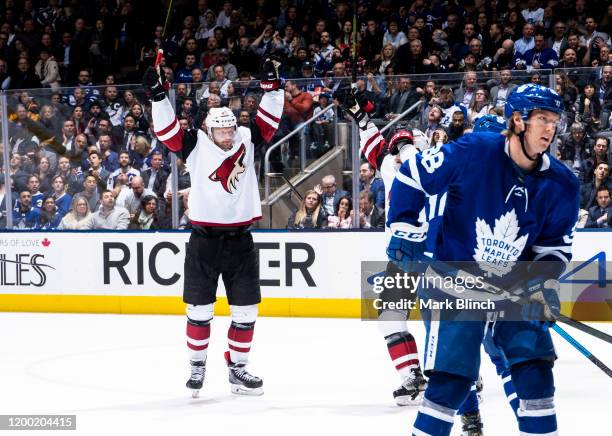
(219, 117)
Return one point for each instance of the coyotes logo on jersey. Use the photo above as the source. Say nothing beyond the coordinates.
(229, 170)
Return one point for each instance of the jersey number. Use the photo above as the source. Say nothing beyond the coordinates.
(432, 158)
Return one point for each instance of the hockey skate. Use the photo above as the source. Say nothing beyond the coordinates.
(472, 424)
(411, 391)
(243, 382)
(195, 382)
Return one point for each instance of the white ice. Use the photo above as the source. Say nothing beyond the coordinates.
(125, 375)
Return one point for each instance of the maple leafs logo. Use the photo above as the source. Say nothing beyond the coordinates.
(229, 170)
(497, 250)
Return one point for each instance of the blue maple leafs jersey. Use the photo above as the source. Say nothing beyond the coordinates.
(494, 213)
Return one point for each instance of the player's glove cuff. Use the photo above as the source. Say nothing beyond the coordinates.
(270, 85)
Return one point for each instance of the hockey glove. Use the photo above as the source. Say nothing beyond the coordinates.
(407, 246)
(270, 77)
(154, 84)
(543, 306)
(359, 108)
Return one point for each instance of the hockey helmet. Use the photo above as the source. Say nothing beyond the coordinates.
(529, 97)
(489, 123)
(219, 117)
(398, 140)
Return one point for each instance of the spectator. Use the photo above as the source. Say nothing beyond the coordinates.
(229, 70)
(576, 148)
(387, 57)
(603, 88)
(44, 174)
(588, 191)
(465, 93)
(433, 121)
(370, 215)
(538, 57)
(146, 217)
(298, 104)
(600, 153)
(90, 192)
(122, 135)
(321, 128)
(368, 182)
(499, 93)
(330, 194)
(402, 99)
(558, 42)
(457, 126)
(342, 217)
(527, 41)
(79, 217)
(19, 176)
(600, 215)
(47, 70)
(110, 159)
(589, 108)
(34, 188)
(310, 215)
(394, 36)
(23, 78)
(502, 59)
(125, 167)
(73, 182)
(371, 41)
(184, 74)
(479, 105)
(130, 197)
(112, 105)
(25, 216)
(62, 199)
(533, 14)
(96, 169)
(155, 177)
(50, 217)
(109, 216)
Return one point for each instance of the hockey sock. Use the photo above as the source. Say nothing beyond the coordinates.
(239, 338)
(535, 388)
(470, 405)
(500, 368)
(198, 335)
(445, 393)
(403, 351)
(240, 333)
(198, 330)
(510, 391)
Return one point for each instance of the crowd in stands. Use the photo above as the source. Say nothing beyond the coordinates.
(75, 132)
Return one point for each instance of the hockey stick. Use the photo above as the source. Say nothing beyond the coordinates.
(495, 290)
(574, 343)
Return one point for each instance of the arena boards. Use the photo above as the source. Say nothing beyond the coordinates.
(309, 274)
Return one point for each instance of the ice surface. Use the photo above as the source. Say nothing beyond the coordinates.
(125, 374)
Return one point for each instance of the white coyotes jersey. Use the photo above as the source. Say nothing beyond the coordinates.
(224, 189)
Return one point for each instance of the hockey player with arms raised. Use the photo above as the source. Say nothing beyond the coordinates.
(223, 203)
(537, 198)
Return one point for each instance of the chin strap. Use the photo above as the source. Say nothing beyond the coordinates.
(522, 139)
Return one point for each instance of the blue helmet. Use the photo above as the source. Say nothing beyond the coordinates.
(529, 97)
(489, 123)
